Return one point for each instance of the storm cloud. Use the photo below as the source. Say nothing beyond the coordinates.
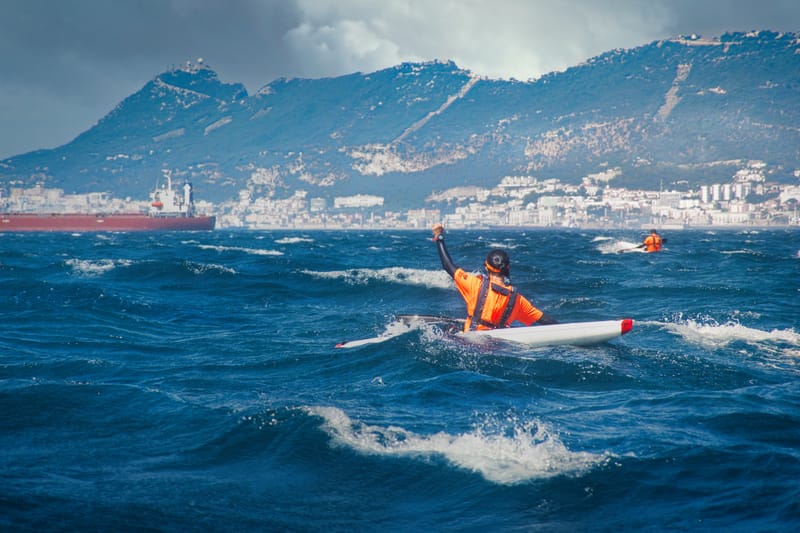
(66, 64)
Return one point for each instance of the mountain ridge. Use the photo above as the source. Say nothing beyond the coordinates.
(668, 111)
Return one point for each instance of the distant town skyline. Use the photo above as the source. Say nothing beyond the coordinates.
(515, 201)
(67, 64)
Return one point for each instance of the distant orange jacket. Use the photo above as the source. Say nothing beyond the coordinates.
(653, 243)
(496, 304)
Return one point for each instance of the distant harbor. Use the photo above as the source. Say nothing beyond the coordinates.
(748, 200)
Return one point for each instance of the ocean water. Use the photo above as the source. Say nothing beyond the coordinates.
(189, 382)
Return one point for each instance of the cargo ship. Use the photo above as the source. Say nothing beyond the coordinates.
(168, 211)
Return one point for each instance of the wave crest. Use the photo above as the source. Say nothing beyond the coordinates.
(293, 240)
(89, 267)
(525, 452)
(404, 276)
(710, 333)
(252, 251)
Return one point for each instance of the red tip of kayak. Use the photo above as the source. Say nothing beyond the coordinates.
(340, 345)
(627, 325)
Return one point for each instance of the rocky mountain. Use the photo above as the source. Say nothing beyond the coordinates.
(685, 111)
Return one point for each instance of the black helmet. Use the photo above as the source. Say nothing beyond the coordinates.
(497, 261)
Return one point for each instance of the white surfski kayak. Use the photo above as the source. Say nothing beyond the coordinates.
(575, 333)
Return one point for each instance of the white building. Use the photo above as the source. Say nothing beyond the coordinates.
(357, 201)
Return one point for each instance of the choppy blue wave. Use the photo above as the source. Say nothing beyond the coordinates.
(190, 382)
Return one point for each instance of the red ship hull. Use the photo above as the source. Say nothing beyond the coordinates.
(116, 222)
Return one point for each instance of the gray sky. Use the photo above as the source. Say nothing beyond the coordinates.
(64, 64)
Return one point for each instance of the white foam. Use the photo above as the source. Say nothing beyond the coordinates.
(712, 334)
(96, 267)
(253, 251)
(524, 452)
(293, 240)
(404, 276)
(740, 252)
(502, 245)
(202, 268)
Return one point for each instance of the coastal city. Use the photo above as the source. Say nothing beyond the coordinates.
(748, 199)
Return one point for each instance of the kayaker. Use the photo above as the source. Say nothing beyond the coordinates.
(492, 302)
(652, 243)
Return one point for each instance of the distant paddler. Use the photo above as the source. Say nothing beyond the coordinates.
(653, 242)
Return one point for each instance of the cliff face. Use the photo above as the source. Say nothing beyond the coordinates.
(682, 109)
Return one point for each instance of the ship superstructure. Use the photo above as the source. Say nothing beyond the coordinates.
(167, 202)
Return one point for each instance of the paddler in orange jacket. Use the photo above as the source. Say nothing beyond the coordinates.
(652, 243)
(491, 300)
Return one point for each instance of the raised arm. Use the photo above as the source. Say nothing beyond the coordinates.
(444, 256)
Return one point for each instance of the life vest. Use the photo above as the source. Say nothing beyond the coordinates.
(501, 297)
(653, 243)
